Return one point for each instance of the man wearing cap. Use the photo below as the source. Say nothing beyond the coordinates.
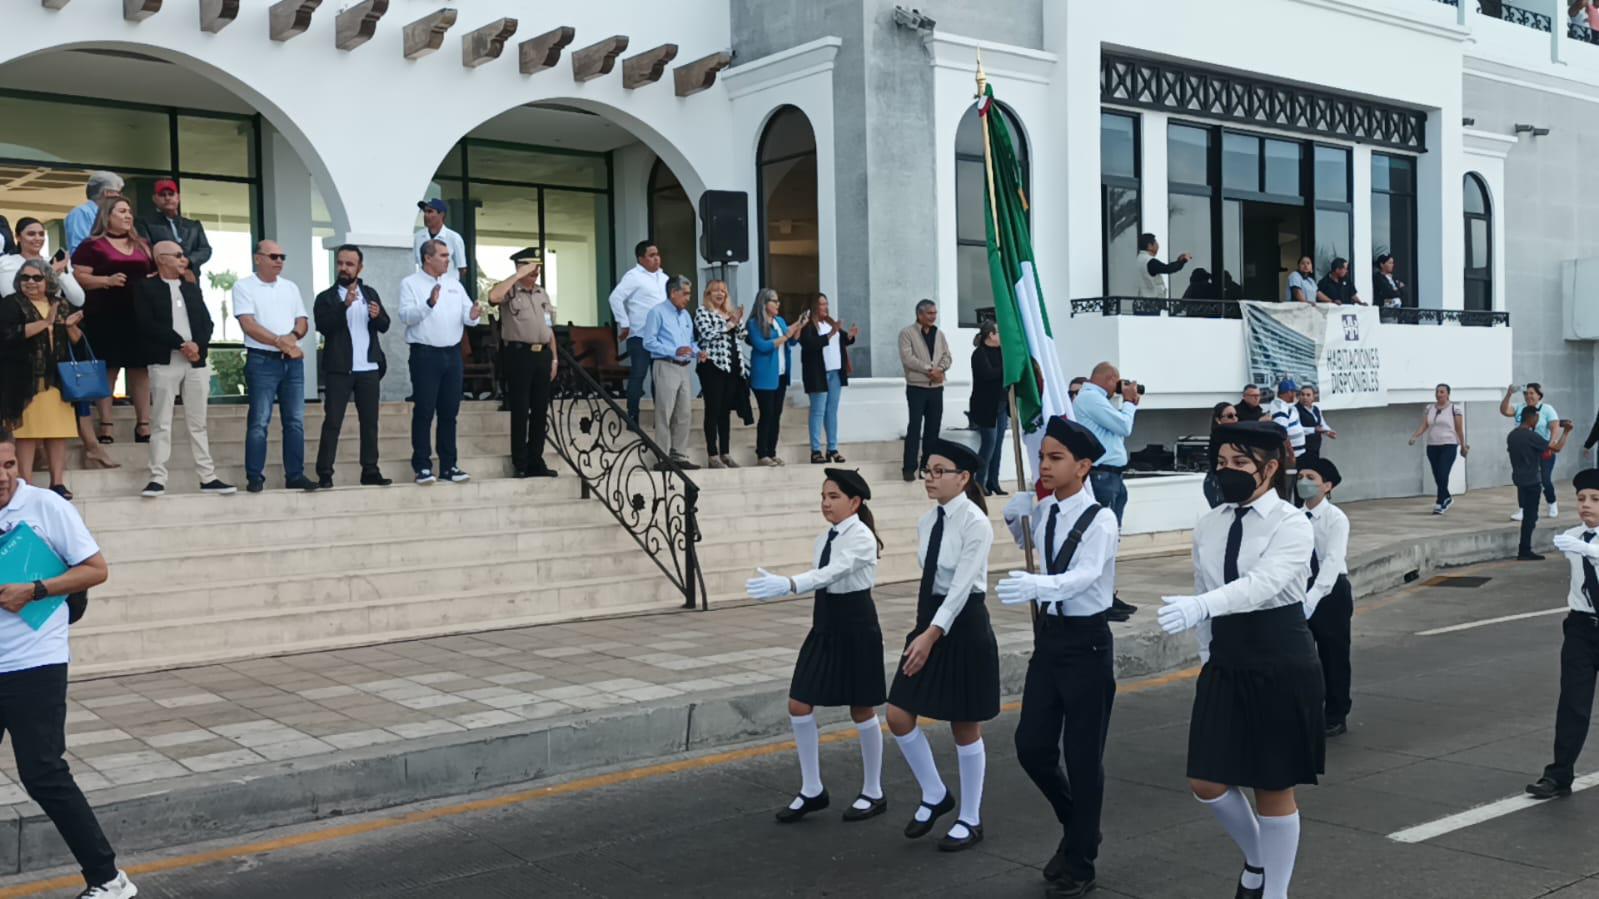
(1284, 410)
(528, 351)
(1329, 600)
(167, 223)
(433, 228)
(351, 319)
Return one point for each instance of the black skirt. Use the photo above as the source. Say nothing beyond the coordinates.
(1258, 719)
(841, 661)
(960, 681)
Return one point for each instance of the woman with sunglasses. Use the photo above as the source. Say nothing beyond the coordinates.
(1222, 414)
(950, 667)
(108, 266)
(37, 327)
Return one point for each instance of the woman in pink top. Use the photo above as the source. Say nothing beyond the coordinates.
(1445, 426)
(109, 266)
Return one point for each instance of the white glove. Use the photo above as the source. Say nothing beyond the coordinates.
(1020, 505)
(1181, 613)
(1019, 587)
(1574, 546)
(768, 586)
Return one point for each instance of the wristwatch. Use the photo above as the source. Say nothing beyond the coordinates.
(39, 592)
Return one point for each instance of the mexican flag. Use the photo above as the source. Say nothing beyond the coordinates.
(1032, 365)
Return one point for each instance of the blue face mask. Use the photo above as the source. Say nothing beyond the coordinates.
(1308, 489)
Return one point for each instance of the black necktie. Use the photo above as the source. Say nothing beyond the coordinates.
(1315, 563)
(1590, 577)
(1049, 540)
(930, 566)
(827, 548)
(1235, 540)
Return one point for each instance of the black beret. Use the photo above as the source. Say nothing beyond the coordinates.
(964, 459)
(1587, 479)
(1325, 469)
(1257, 434)
(849, 482)
(1078, 440)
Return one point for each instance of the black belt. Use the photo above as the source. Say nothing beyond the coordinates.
(270, 354)
(535, 347)
(674, 361)
(1113, 469)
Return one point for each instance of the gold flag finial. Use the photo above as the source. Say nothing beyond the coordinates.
(982, 76)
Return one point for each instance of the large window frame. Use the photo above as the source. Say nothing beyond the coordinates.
(1482, 276)
(1405, 255)
(664, 188)
(791, 302)
(1119, 184)
(969, 165)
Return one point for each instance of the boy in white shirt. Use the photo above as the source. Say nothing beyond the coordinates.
(1329, 599)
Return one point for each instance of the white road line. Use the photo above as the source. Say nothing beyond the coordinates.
(1487, 621)
(1423, 832)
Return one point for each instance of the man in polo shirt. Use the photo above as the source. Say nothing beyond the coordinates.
(436, 312)
(669, 338)
(433, 228)
(271, 312)
(1336, 287)
(1111, 425)
(641, 289)
(33, 673)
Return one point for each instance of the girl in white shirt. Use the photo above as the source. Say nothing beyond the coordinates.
(1257, 717)
(841, 661)
(950, 668)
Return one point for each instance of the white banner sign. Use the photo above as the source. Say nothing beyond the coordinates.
(1335, 348)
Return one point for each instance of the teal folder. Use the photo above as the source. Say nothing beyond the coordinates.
(25, 558)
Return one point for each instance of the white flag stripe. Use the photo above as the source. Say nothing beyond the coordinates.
(1053, 396)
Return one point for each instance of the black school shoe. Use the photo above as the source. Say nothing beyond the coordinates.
(917, 829)
(1337, 729)
(808, 804)
(974, 835)
(1244, 892)
(874, 808)
(1546, 788)
(374, 479)
(1069, 887)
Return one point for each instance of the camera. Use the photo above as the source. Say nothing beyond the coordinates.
(1122, 385)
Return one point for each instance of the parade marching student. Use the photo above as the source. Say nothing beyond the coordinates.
(1329, 599)
(950, 668)
(1579, 652)
(1257, 717)
(1071, 678)
(841, 661)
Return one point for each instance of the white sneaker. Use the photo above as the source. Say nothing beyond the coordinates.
(425, 477)
(1554, 510)
(1517, 516)
(121, 888)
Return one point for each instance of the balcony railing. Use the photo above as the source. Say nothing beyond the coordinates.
(1172, 308)
(1468, 317)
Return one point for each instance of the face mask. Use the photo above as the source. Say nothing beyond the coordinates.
(1235, 486)
(1308, 490)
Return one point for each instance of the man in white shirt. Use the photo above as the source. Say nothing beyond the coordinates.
(1329, 599)
(436, 312)
(33, 670)
(1071, 678)
(351, 318)
(433, 228)
(641, 289)
(272, 315)
(1579, 653)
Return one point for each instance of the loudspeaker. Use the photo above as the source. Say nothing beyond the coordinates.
(725, 226)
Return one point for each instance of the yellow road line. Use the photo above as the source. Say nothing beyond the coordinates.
(582, 785)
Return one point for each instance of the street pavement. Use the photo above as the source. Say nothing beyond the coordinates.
(1442, 723)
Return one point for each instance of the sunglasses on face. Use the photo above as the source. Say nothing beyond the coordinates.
(31, 279)
(176, 255)
(275, 257)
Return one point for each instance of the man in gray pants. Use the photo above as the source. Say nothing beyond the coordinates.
(669, 339)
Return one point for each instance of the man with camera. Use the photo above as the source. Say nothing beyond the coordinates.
(1112, 424)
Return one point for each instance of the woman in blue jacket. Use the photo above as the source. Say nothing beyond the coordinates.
(771, 362)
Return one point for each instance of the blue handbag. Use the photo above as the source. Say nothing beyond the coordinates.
(83, 380)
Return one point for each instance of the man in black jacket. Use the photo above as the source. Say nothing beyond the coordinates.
(167, 223)
(350, 316)
(176, 330)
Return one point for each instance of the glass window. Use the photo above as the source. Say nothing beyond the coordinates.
(451, 166)
(504, 220)
(577, 256)
(1240, 162)
(973, 281)
(1332, 175)
(1401, 174)
(1393, 214)
(1479, 244)
(1189, 231)
(1332, 238)
(1188, 155)
(107, 136)
(1120, 211)
(1118, 145)
(226, 210)
(971, 185)
(531, 166)
(1476, 196)
(790, 248)
(672, 221)
(212, 146)
(1282, 168)
(1381, 225)
(1232, 245)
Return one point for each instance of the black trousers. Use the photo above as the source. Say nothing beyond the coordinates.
(527, 375)
(1527, 497)
(770, 403)
(720, 390)
(33, 711)
(364, 386)
(1579, 664)
(1066, 701)
(926, 406)
(1330, 627)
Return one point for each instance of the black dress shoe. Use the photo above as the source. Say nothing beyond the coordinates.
(916, 829)
(521, 473)
(543, 471)
(1546, 788)
(1055, 869)
(808, 804)
(1529, 557)
(909, 476)
(1069, 886)
(301, 483)
(1247, 893)
(325, 482)
(1339, 729)
(874, 808)
(374, 479)
(974, 835)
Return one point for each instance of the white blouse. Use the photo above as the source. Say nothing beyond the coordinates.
(1273, 560)
(962, 555)
(852, 565)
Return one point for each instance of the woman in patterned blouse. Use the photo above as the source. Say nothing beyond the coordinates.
(719, 328)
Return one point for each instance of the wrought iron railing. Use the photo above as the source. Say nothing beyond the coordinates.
(1154, 306)
(648, 493)
(1537, 21)
(1467, 317)
(1580, 31)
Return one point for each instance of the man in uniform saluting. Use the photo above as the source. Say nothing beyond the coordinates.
(527, 343)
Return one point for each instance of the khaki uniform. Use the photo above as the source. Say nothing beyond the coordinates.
(528, 343)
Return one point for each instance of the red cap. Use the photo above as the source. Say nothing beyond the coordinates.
(166, 184)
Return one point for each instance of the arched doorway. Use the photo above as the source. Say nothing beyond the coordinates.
(671, 217)
(1479, 272)
(976, 291)
(790, 250)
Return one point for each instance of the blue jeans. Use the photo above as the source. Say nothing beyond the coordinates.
(1109, 491)
(1546, 468)
(270, 378)
(435, 390)
(1442, 460)
(638, 366)
(991, 449)
(824, 411)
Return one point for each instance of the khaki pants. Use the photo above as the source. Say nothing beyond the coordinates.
(166, 383)
(674, 405)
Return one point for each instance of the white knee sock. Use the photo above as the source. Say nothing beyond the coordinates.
(808, 745)
(973, 761)
(871, 760)
(919, 755)
(1279, 845)
(1238, 819)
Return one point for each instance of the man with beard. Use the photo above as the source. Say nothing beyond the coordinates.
(350, 316)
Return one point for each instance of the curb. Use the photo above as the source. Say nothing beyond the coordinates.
(208, 806)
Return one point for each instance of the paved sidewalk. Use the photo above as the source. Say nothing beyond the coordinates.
(169, 754)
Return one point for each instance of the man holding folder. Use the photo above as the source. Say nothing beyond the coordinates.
(50, 557)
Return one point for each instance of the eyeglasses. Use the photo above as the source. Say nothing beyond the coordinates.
(31, 279)
(938, 471)
(178, 255)
(1228, 417)
(275, 257)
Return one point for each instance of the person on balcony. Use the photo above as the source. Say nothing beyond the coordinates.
(1390, 291)
(1444, 423)
(351, 318)
(1336, 287)
(530, 360)
(1111, 425)
(1201, 286)
(668, 335)
(1549, 427)
(924, 355)
(1151, 274)
(1302, 283)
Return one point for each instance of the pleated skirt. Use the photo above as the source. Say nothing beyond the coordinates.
(960, 681)
(1258, 717)
(841, 660)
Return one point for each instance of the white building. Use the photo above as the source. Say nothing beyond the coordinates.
(1245, 132)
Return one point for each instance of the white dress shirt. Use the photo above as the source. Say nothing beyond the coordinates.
(357, 317)
(962, 555)
(444, 323)
(1331, 527)
(276, 305)
(1273, 559)
(851, 566)
(832, 356)
(635, 295)
(1287, 415)
(1574, 597)
(451, 239)
(1086, 586)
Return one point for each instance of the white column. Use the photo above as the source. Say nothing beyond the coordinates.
(287, 214)
(1154, 210)
(1360, 249)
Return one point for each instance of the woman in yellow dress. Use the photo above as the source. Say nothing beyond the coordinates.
(36, 331)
